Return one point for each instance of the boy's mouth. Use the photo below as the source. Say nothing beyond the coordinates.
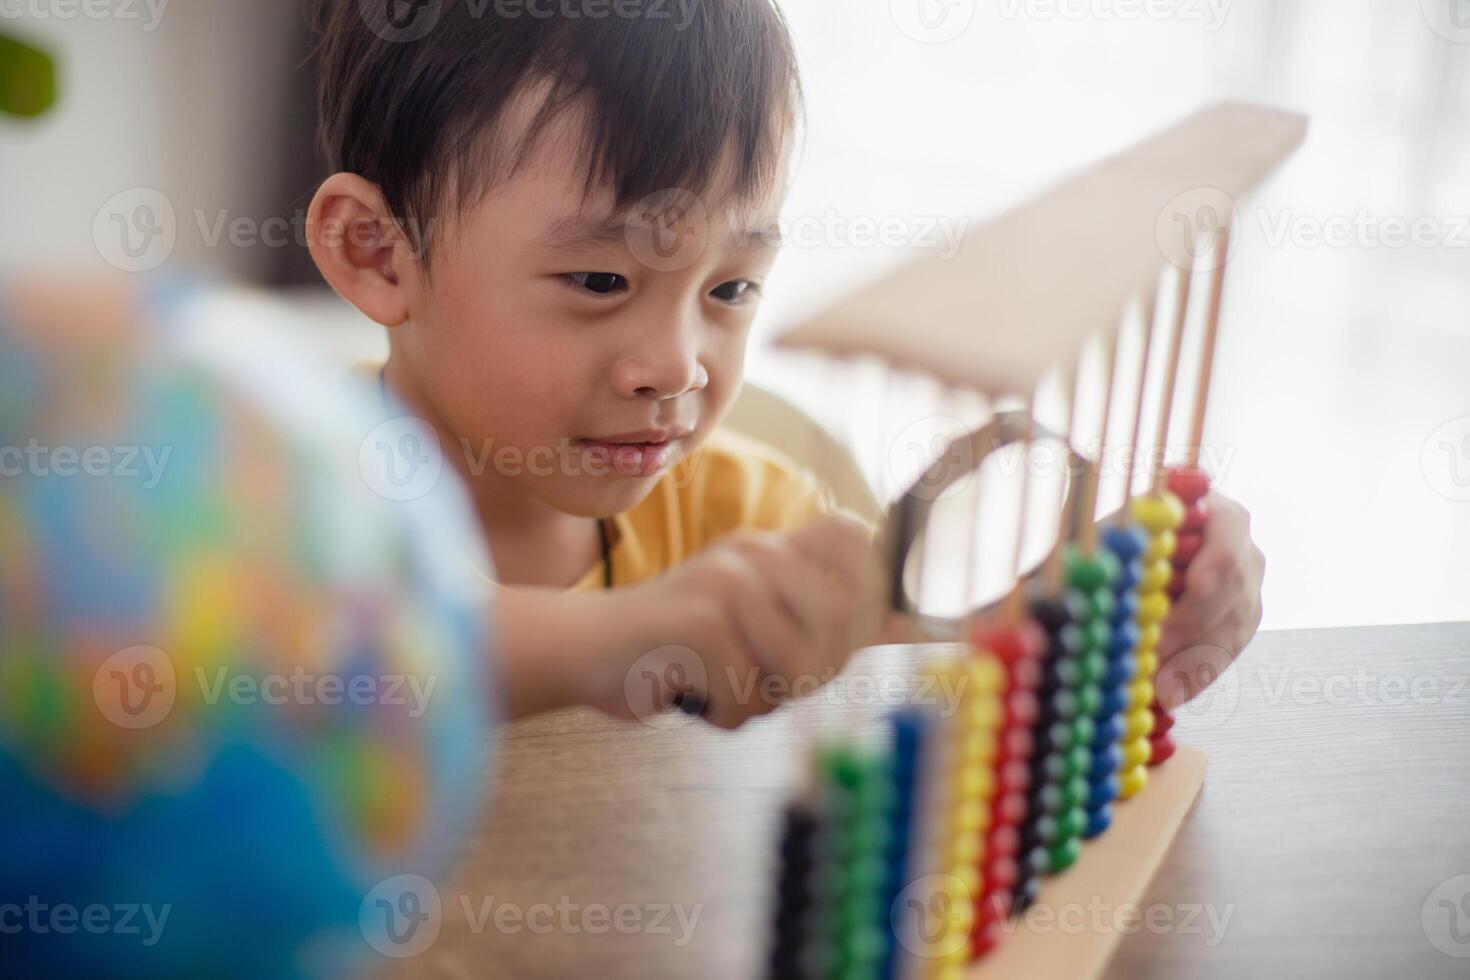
(633, 454)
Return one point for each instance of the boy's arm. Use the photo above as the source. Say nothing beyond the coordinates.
(754, 607)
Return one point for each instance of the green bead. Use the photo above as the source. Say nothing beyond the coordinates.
(1090, 697)
(1092, 668)
(1062, 856)
(1085, 572)
(1104, 601)
(1083, 729)
(1095, 635)
(1074, 793)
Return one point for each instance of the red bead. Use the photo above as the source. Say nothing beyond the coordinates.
(1015, 777)
(1195, 517)
(1175, 588)
(994, 907)
(1021, 709)
(1160, 749)
(1026, 675)
(983, 940)
(1011, 810)
(1011, 644)
(1004, 840)
(1188, 483)
(1163, 721)
(1187, 546)
(1001, 873)
(1017, 744)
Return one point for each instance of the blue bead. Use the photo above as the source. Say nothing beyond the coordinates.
(1109, 729)
(1123, 640)
(1127, 541)
(1128, 576)
(1098, 821)
(1105, 761)
(1120, 671)
(1103, 791)
(1114, 700)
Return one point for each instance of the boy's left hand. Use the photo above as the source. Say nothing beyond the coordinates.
(1220, 609)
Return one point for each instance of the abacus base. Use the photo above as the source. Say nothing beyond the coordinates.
(1074, 926)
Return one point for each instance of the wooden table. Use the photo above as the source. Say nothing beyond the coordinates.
(1337, 801)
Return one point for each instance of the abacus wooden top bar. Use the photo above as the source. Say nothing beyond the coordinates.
(1025, 290)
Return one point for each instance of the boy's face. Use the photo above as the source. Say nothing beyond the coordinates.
(579, 352)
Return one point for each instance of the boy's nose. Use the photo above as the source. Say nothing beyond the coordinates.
(660, 371)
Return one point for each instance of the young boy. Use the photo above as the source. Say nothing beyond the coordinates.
(560, 213)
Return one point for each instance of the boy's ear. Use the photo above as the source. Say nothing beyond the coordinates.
(360, 248)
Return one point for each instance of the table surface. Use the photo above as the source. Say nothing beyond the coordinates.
(1330, 839)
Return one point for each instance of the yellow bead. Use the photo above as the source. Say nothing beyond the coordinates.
(1148, 636)
(986, 675)
(1160, 545)
(1157, 514)
(976, 783)
(949, 971)
(1132, 781)
(1141, 692)
(1152, 608)
(1156, 575)
(1137, 723)
(1147, 664)
(979, 748)
(984, 713)
(962, 851)
(968, 878)
(971, 817)
(1135, 753)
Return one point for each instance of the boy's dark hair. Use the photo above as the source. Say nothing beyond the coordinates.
(412, 94)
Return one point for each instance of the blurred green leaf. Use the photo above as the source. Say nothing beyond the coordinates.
(27, 78)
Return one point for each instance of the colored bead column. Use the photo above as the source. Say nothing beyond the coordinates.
(1191, 486)
(855, 920)
(793, 893)
(1019, 649)
(1092, 581)
(966, 807)
(1127, 544)
(1159, 517)
(1051, 839)
(910, 729)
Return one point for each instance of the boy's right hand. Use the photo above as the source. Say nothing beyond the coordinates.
(748, 620)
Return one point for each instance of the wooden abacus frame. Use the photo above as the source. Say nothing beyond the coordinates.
(1067, 266)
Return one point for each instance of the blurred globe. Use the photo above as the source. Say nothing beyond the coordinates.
(243, 693)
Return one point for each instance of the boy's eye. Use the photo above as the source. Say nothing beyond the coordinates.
(601, 283)
(735, 290)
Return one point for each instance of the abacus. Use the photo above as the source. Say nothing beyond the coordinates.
(1042, 783)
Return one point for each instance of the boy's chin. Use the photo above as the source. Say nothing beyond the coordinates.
(601, 496)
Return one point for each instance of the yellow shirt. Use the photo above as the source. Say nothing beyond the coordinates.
(729, 483)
